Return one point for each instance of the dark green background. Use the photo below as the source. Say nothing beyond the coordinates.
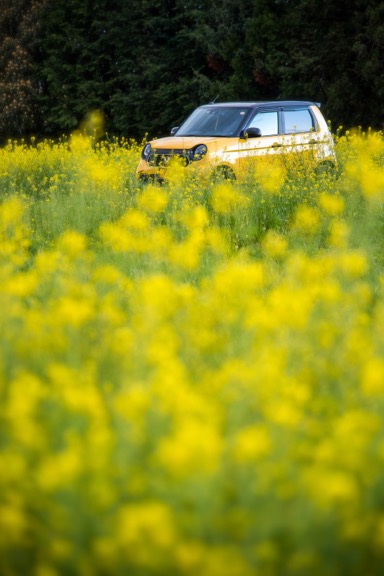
(149, 63)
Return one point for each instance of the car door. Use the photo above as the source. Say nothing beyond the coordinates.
(269, 144)
(301, 132)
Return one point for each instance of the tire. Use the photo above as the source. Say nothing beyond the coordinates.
(326, 168)
(222, 173)
(151, 179)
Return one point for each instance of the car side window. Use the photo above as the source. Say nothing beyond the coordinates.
(299, 120)
(267, 122)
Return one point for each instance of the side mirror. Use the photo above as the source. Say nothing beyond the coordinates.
(174, 130)
(252, 132)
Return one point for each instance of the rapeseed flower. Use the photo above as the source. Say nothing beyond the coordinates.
(331, 204)
(175, 374)
(152, 200)
(274, 244)
(372, 377)
(102, 174)
(226, 198)
(271, 177)
(338, 234)
(193, 449)
(252, 443)
(307, 220)
(72, 243)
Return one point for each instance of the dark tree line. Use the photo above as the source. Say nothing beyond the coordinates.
(20, 30)
(147, 63)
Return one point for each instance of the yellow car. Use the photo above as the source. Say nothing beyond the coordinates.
(222, 139)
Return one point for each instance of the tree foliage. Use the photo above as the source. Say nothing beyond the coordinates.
(147, 63)
(20, 25)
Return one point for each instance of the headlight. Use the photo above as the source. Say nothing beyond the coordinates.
(199, 152)
(146, 152)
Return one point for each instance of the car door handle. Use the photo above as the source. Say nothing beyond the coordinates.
(276, 145)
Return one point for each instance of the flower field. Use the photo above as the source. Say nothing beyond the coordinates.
(191, 375)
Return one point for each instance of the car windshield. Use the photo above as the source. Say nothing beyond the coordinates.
(214, 121)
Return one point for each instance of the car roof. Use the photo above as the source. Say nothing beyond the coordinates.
(266, 104)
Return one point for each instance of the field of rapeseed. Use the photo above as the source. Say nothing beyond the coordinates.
(192, 375)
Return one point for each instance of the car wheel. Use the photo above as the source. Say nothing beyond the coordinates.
(326, 168)
(151, 179)
(222, 173)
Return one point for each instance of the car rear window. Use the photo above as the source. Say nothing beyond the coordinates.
(299, 120)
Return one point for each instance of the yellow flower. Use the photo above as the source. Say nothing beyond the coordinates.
(73, 311)
(228, 560)
(176, 172)
(153, 199)
(195, 218)
(239, 277)
(283, 412)
(107, 553)
(135, 220)
(26, 393)
(271, 177)
(72, 243)
(79, 142)
(194, 448)
(14, 234)
(226, 198)
(13, 523)
(116, 237)
(101, 173)
(338, 234)
(133, 403)
(331, 204)
(130, 234)
(43, 569)
(90, 130)
(274, 244)
(60, 470)
(186, 255)
(252, 443)
(331, 487)
(353, 263)
(145, 532)
(307, 220)
(21, 285)
(93, 124)
(372, 378)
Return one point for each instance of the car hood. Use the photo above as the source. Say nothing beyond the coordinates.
(181, 142)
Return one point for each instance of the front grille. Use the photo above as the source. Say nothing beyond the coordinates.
(162, 156)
